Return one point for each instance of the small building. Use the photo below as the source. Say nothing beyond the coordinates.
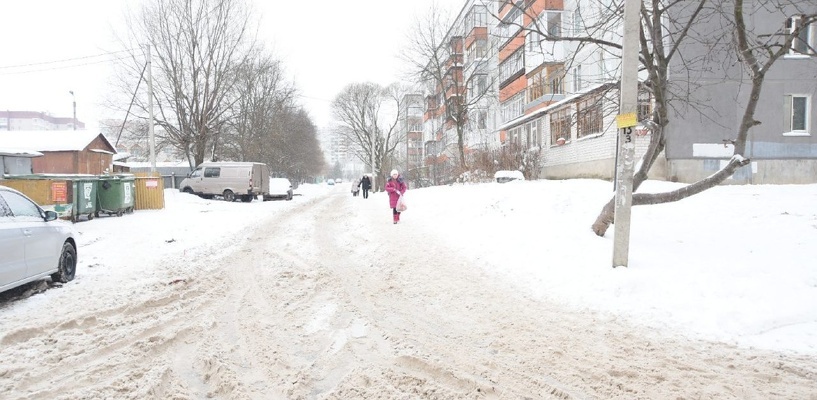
(16, 162)
(63, 152)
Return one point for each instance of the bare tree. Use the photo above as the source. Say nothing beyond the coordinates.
(368, 116)
(666, 29)
(261, 96)
(464, 80)
(197, 47)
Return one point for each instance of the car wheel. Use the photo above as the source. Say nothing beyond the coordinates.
(289, 196)
(67, 265)
(188, 190)
(229, 196)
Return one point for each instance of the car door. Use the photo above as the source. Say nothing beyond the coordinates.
(12, 245)
(42, 240)
(211, 180)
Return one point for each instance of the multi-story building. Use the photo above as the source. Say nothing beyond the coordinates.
(561, 97)
(460, 100)
(412, 126)
(36, 121)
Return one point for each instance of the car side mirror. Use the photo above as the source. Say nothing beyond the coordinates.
(50, 215)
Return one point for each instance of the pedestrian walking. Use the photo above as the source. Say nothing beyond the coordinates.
(355, 187)
(396, 187)
(366, 185)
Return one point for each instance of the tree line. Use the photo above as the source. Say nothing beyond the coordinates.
(218, 94)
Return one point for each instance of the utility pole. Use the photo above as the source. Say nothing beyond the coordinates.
(74, 99)
(151, 136)
(626, 120)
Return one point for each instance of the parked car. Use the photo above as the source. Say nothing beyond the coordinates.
(279, 188)
(330, 182)
(507, 176)
(230, 180)
(33, 243)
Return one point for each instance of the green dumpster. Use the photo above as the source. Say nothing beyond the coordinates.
(115, 194)
(85, 195)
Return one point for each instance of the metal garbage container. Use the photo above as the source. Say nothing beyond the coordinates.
(85, 195)
(115, 194)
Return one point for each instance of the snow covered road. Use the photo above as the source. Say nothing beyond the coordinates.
(329, 300)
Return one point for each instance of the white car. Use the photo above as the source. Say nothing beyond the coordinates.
(279, 188)
(33, 243)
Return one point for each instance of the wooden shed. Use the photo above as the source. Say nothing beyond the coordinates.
(64, 152)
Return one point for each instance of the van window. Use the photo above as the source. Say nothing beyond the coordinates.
(212, 172)
(196, 173)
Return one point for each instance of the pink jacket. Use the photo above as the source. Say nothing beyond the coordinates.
(395, 188)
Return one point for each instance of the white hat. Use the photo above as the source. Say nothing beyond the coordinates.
(394, 172)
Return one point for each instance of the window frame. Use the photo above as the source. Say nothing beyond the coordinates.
(560, 122)
(789, 114)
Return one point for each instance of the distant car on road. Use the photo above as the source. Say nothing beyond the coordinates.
(33, 243)
(330, 182)
(279, 188)
(507, 176)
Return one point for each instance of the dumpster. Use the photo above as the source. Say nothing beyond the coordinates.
(51, 192)
(85, 197)
(115, 194)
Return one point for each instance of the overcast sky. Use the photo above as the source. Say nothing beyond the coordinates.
(324, 45)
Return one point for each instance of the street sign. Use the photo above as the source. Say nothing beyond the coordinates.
(626, 120)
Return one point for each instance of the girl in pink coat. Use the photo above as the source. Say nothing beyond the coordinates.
(395, 187)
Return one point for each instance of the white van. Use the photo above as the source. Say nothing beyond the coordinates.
(230, 180)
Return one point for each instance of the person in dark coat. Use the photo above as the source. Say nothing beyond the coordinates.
(395, 187)
(366, 185)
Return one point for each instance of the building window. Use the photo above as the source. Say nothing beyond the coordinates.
(578, 24)
(796, 112)
(560, 125)
(477, 18)
(533, 37)
(577, 78)
(477, 86)
(546, 81)
(644, 110)
(513, 107)
(514, 64)
(554, 24)
(588, 116)
(804, 43)
(477, 50)
(533, 133)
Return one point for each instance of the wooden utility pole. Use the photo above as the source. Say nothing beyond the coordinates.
(626, 120)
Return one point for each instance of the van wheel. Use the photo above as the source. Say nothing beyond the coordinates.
(188, 190)
(229, 196)
(67, 266)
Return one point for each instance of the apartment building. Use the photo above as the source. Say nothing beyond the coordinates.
(460, 101)
(560, 97)
(36, 121)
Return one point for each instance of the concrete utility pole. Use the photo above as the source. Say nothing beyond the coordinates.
(151, 136)
(626, 120)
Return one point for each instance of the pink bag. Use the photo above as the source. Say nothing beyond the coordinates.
(401, 204)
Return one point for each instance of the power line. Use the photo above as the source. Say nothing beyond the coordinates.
(31, 71)
(65, 60)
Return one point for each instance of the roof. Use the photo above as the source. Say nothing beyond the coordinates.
(50, 140)
(13, 152)
(550, 107)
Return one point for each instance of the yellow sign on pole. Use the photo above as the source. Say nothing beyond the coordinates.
(626, 120)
